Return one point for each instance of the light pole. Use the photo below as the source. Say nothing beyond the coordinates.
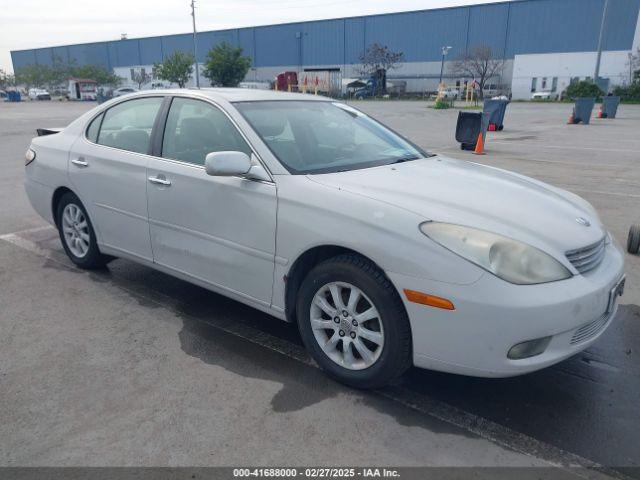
(600, 37)
(195, 42)
(445, 51)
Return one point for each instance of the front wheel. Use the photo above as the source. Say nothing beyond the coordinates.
(353, 322)
(77, 235)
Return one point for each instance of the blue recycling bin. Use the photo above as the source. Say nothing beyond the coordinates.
(13, 96)
(610, 106)
(582, 110)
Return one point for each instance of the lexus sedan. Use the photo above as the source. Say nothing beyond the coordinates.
(303, 207)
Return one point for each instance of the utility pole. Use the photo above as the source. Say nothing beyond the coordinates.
(195, 42)
(445, 51)
(596, 75)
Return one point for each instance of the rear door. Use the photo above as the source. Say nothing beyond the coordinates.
(219, 230)
(107, 169)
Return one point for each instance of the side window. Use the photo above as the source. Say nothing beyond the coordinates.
(128, 125)
(94, 127)
(195, 128)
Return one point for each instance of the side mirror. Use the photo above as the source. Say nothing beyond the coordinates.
(227, 164)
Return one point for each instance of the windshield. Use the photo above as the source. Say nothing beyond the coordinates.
(322, 137)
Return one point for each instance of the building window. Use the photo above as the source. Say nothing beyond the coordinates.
(554, 84)
(544, 83)
(534, 84)
(574, 80)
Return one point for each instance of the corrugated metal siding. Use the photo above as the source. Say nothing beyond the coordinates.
(150, 50)
(622, 18)
(44, 56)
(246, 41)
(278, 45)
(323, 42)
(208, 40)
(488, 26)
(546, 26)
(354, 33)
(173, 43)
(520, 27)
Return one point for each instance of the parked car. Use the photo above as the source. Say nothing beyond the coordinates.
(118, 92)
(544, 95)
(450, 93)
(385, 255)
(39, 94)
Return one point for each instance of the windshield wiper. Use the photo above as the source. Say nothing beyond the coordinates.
(405, 159)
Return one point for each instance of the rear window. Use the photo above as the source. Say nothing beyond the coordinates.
(128, 125)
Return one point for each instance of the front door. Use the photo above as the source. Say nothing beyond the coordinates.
(219, 230)
(107, 169)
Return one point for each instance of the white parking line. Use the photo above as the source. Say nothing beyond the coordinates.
(564, 147)
(482, 427)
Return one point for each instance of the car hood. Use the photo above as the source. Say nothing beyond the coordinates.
(465, 193)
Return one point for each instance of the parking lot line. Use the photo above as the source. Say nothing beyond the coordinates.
(482, 427)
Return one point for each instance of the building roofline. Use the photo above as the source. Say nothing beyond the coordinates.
(299, 22)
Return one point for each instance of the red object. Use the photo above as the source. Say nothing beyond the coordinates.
(284, 79)
(492, 127)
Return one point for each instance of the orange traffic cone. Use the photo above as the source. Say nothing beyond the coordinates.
(479, 145)
(572, 118)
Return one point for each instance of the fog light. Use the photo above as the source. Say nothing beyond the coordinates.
(528, 349)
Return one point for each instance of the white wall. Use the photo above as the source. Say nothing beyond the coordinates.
(614, 66)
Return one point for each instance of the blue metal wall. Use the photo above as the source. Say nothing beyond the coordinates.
(510, 28)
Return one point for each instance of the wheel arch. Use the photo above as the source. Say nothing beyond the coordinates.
(55, 200)
(305, 262)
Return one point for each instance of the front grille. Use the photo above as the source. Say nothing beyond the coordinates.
(590, 330)
(587, 258)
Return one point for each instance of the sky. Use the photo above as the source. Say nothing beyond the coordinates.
(43, 23)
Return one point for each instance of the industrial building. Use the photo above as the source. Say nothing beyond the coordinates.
(546, 44)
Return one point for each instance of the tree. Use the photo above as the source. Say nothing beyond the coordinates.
(226, 66)
(379, 57)
(97, 73)
(585, 88)
(140, 77)
(376, 61)
(60, 71)
(34, 75)
(176, 68)
(479, 64)
(6, 79)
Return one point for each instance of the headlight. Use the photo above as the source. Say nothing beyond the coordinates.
(508, 259)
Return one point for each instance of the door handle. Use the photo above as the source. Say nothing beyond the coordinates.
(160, 181)
(80, 162)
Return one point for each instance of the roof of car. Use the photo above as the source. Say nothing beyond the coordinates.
(242, 94)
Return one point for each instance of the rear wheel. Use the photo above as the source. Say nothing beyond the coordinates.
(77, 235)
(353, 322)
(633, 240)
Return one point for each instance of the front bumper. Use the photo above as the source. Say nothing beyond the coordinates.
(492, 315)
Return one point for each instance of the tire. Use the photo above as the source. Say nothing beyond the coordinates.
(388, 356)
(82, 229)
(633, 240)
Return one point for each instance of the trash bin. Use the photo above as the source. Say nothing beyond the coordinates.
(497, 109)
(582, 110)
(610, 106)
(13, 96)
(469, 126)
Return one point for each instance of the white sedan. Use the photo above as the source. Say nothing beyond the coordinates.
(307, 209)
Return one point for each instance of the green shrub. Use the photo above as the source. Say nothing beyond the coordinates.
(585, 88)
(628, 93)
(442, 104)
